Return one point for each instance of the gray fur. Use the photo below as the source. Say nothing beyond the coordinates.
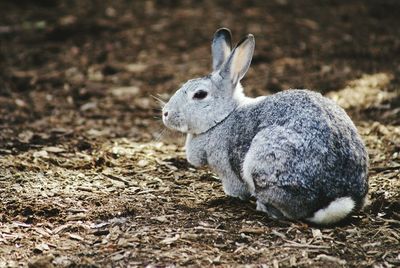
(295, 151)
(221, 47)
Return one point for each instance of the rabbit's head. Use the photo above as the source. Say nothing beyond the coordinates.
(202, 103)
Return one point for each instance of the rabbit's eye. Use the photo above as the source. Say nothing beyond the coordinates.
(201, 94)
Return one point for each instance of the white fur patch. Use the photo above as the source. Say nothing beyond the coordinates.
(247, 171)
(183, 128)
(336, 211)
(246, 101)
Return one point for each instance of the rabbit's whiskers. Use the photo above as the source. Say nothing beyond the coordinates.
(159, 135)
(160, 101)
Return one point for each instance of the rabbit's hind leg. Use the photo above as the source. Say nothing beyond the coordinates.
(269, 169)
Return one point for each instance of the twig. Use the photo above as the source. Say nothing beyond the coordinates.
(298, 245)
(384, 168)
(113, 177)
(209, 229)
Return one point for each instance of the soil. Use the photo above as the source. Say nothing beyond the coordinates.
(89, 177)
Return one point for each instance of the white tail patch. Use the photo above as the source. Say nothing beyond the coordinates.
(336, 211)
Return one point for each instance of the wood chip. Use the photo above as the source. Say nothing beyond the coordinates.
(254, 230)
(170, 240)
(75, 237)
(331, 259)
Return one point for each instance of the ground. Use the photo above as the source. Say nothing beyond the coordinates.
(89, 177)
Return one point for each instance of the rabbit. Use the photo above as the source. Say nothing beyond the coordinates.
(297, 152)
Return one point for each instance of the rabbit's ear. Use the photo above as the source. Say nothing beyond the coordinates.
(221, 47)
(239, 61)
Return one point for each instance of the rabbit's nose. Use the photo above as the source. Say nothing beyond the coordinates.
(165, 114)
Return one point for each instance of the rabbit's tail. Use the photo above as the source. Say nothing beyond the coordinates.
(336, 211)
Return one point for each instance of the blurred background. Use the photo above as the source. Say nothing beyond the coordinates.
(84, 178)
(93, 65)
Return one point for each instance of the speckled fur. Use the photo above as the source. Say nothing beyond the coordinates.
(295, 151)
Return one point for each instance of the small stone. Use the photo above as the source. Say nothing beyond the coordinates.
(142, 163)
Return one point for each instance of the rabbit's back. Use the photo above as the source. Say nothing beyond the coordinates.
(307, 140)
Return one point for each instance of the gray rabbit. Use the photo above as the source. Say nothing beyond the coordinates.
(297, 152)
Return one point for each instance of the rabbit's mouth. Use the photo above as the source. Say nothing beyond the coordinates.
(175, 124)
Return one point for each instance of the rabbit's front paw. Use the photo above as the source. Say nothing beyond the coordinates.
(196, 161)
(236, 188)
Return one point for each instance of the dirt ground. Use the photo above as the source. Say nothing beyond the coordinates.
(89, 177)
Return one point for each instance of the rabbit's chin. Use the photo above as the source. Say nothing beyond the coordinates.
(182, 128)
